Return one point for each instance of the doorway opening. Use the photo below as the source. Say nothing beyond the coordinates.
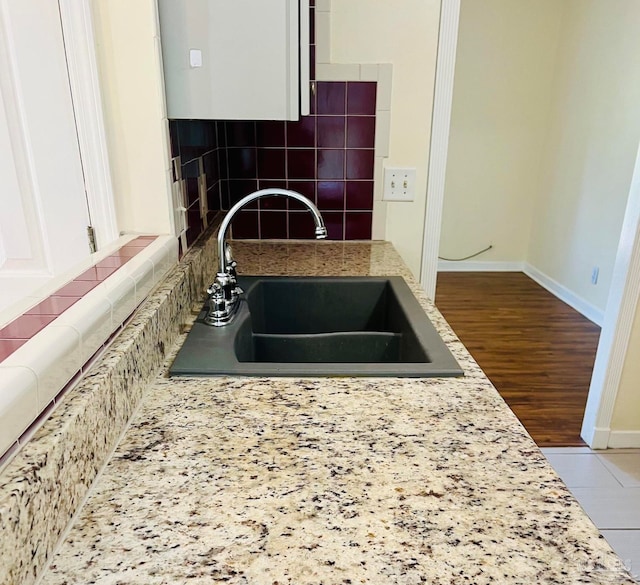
(541, 131)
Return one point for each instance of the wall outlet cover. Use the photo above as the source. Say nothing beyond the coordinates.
(399, 184)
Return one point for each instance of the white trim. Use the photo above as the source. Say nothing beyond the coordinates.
(599, 438)
(471, 266)
(564, 294)
(440, 120)
(59, 351)
(305, 58)
(618, 322)
(624, 440)
(87, 103)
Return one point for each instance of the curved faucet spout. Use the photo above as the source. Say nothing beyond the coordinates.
(224, 292)
(321, 230)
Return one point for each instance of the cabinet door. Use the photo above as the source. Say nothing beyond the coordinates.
(231, 59)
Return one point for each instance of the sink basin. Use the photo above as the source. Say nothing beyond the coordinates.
(319, 326)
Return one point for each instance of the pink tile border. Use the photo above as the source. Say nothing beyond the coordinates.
(16, 333)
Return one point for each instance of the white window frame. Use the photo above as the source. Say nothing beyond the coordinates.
(77, 28)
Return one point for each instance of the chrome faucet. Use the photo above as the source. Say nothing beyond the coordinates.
(224, 292)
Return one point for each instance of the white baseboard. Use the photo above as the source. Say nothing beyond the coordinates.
(596, 437)
(564, 294)
(473, 266)
(624, 440)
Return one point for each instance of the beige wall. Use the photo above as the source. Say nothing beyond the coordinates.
(590, 148)
(406, 35)
(504, 71)
(130, 75)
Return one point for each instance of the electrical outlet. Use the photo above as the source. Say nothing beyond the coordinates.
(594, 275)
(399, 184)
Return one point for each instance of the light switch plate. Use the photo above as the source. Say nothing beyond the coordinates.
(399, 184)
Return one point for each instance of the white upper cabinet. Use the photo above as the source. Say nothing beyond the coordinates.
(235, 59)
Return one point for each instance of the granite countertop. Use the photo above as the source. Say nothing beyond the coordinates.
(330, 480)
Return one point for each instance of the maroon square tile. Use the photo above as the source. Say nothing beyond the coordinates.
(126, 253)
(142, 239)
(25, 326)
(301, 164)
(271, 163)
(92, 273)
(76, 288)
(191, 185)
(194, 221)
(245, 225)
(358, 225)
(190, 167)
(112, 261)
(225, 197)
(240, 133)
(241, 188)
(97, 273)
(242, 163)
(306, 188)
(270, 133)
(223, 163)
(302, 133)
(312, 72)
(360, 164)
(361, 132)
(211, 134)
(361, 97)
(129, 249)
(330, 164)
(8, 346)
(174, 138)
(334, 222)
(221, 133)
(359, 195)
(53, 305)
(331, 130)
(331, 97)
(312, 26)
(213, 198)
(192, 234)
(189, 158)
(301, 225)
(272, 202)
(273, 225)
(211, 169)
(195, 133)
(331, 195)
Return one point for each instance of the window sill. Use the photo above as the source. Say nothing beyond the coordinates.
(56, 337)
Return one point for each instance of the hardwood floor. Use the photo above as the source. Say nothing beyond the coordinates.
(537, 351)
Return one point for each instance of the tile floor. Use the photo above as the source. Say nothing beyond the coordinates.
(607, 486)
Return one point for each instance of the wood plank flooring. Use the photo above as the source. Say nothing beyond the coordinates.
(537, 351)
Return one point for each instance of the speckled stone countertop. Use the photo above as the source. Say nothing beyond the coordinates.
(330, 480)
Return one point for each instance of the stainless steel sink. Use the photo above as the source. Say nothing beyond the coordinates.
(319, 326)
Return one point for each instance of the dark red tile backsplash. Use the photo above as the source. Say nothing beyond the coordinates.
(328, 156)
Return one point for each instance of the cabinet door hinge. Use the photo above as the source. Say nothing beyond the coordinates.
(91, 234)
